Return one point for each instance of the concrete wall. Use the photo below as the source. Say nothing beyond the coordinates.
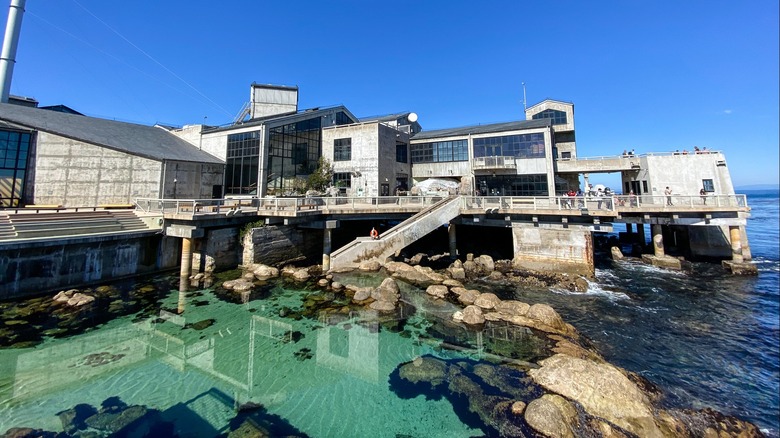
(34, 268)
(553, 249)
(373, 156)
(683, 173)
(277, 245)
(219, 249)
(454, 169)
(566, 107)
(74, 174)
(188, 180)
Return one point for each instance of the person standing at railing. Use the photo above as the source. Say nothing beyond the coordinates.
(631, 198)
(599, 198)
(668, 193)
(703, 194)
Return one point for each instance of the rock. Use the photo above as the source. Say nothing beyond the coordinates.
(362, 294)
(580, 284)
(512, 307)
(617, 254)
(418, 259)
(263, 272)
(322, 282)
(64, 296)
(495, 276)
(518, 408)
(457, 273)
(547, 316)
(78, 299)
(487, 301)
(472, 315)
(417, 275)
(336, 286)
(602, 390)
(437, 290)
(485, 263)
(468, 297)
(457, 316)
(452, 283)
(249, 429)
(424, 369)
(301, 275)
(382, 306)
(369, 265)
(493, 316)
(288, 270)
(552, 416)
(387, 291)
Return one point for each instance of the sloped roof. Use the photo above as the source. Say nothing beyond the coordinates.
(385, 117)
(483, 129)
(145, 141)
(548, 100)
(284, 118)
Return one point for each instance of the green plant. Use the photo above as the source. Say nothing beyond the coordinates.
(248, 227)
(322, 177)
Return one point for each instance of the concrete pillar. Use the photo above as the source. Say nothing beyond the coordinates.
(747, 255)
(326, 244)
(640, 229)
(186, 256)
(736, 244)
(629, 229)
(658, 241)
(453, 240)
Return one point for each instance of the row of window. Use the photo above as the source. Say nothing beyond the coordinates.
(558, 117)
(518, 146)
(440, 151)
(513, 185)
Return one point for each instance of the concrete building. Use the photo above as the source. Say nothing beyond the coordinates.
(59, 157)
(371, 158)
(276, 146)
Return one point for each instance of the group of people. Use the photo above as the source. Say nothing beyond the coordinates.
(696, 150)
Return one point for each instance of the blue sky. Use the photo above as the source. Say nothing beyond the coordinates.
(650, 75)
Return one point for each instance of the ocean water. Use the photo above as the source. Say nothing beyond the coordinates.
(303, 362)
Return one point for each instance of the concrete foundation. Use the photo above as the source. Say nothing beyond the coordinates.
(662, 261)
(740, 268)
(217, 250)
(553, 249)
(276, 245)
(29, 269)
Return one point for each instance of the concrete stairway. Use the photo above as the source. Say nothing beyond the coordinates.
(6, 229)
(398, 237)
(68, 223)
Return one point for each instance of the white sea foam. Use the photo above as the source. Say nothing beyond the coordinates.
(595, 288)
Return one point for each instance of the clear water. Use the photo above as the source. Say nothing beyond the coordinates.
(320, 369)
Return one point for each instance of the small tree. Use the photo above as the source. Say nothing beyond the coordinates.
(322, 177)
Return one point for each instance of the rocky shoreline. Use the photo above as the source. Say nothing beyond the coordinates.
(578, 393)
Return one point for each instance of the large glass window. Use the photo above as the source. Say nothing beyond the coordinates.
(241, 166)
(293, 152)
(707, 185)
(518, 146)
(343, 119)
(513, 185)
(558, 117)
(401, 152)
(342, 149)
(440, 151)
(14, 151)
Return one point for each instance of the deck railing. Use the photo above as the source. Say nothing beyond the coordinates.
(295, 206)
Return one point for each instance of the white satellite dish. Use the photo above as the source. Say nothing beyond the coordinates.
(412, 117)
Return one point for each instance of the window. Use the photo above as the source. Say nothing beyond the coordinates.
(293, 152)
(558, 117)
(14, 151)
(440, 151)
(566, 155)
(708, 186)
(644, 186)
(518, 146)
(515, 185)
(241, 166)
(342, 181)
(401, 153)
(342, 149)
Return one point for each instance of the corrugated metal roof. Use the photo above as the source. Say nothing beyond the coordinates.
(145, 141)
(284, 118)
(483, 129)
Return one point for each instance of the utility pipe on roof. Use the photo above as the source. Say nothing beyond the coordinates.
(8, 57)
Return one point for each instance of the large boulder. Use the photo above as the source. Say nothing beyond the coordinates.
(468, 297)
(301, 275)
(472, 315)
(487, 301)
(512, 307)
(549, 317)
(437, 290)
(424, 369)
(370, 265)
(602, 390)
(263, 272)
(382, 306)
(387, 291)
(485, 263)
(552, 416)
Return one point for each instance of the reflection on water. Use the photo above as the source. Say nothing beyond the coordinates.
(321, 369)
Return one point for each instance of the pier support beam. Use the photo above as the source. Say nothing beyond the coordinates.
(186, 256)
(640, 230)
(451, 234)
(563, 250)
(629, 229)
(659, 257)
(737, 265)
(326, 249)
(658, 241)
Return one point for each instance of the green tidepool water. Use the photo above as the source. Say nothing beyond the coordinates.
(316, 365)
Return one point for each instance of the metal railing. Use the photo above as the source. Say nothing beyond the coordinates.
(497, 162)
(295, 206)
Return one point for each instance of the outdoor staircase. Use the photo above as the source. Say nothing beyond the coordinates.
(398, 237)
(24, 225)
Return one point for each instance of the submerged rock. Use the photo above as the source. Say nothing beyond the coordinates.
(553, 416)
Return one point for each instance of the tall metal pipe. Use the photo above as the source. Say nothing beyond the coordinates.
(8, 57)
